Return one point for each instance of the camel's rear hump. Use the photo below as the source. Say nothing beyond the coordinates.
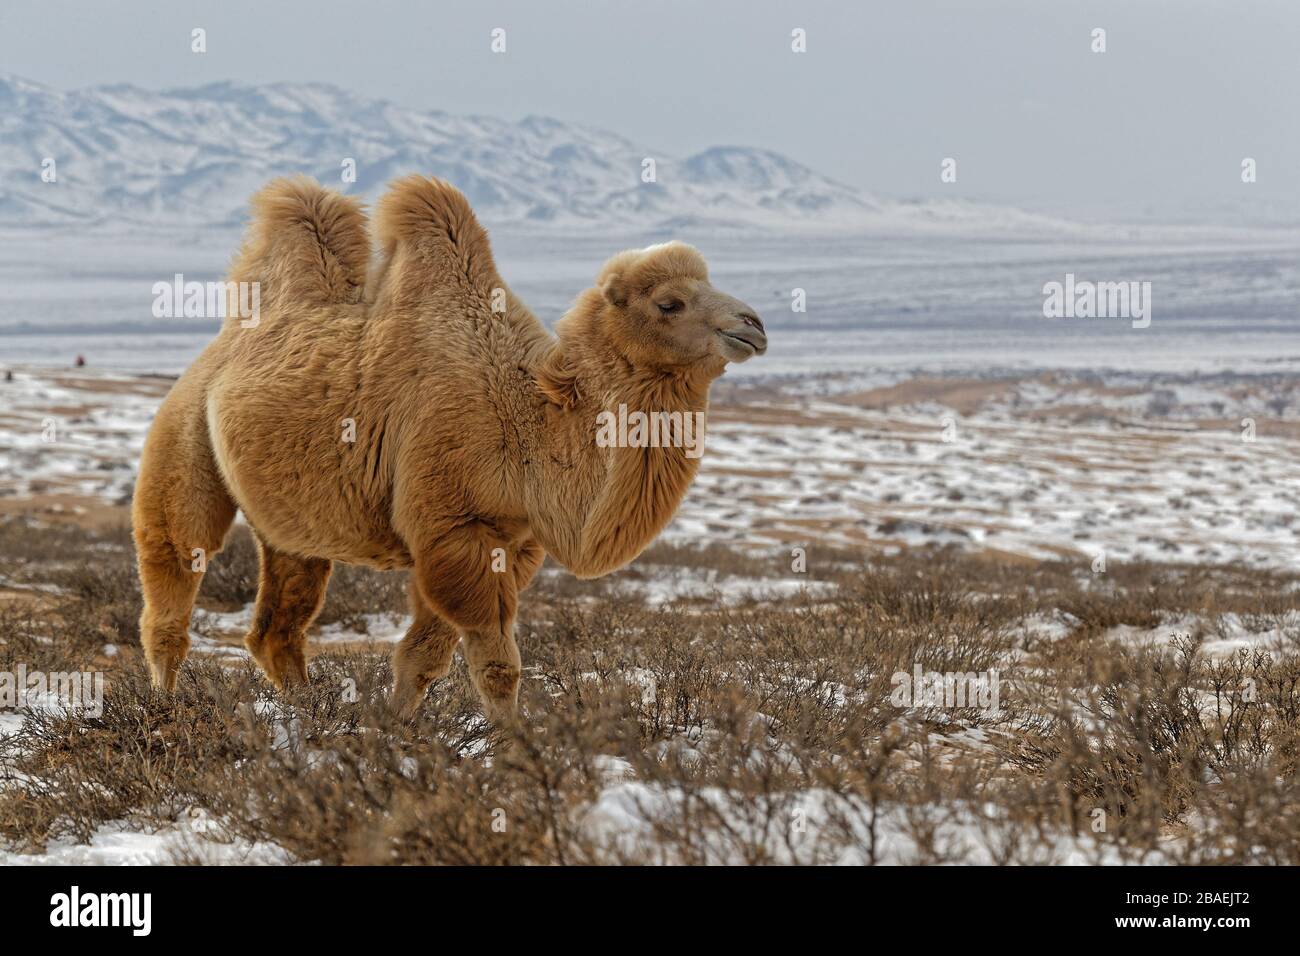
(306, 246)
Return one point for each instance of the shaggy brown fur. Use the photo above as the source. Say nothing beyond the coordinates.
(474, 430)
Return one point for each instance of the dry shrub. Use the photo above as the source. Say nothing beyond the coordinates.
(356, 592)
(1162, 737)
(230, 580)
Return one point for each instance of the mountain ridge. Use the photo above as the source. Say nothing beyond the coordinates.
(195, 154)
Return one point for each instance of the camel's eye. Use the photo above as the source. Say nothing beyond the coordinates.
(671, 307)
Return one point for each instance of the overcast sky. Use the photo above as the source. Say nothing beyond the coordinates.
(1158, 124)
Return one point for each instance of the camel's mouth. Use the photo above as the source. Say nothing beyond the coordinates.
(743, 344)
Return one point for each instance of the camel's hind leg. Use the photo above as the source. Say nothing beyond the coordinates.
(423, 656)
(169, 579)
(180, 517)
(289, 596)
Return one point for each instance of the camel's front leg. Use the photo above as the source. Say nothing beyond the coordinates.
(491, 653)
(494, 666)
(465, 574)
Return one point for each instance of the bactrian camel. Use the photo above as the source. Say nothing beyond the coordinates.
(411, 412)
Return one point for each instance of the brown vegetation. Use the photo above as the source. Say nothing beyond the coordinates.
(756, 733)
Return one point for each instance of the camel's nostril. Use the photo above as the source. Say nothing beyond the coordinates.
(751, 320)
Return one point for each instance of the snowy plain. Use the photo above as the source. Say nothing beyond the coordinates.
(922, 398)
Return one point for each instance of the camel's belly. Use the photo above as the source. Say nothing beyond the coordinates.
(301, 493)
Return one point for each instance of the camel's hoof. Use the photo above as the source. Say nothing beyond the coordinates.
(404, 706)
(163, 672)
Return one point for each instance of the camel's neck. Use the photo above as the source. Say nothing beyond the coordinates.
(629, 442)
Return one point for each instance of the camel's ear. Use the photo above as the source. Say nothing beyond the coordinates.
(557, 379)
(615, 290)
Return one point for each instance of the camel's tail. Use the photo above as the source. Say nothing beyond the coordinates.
(432, 223)
(307, 245)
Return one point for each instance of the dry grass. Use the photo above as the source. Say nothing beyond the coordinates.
(755, 733)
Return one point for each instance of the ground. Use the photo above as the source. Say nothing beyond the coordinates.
(733, 695)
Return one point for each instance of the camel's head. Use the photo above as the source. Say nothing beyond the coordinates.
(658, 308)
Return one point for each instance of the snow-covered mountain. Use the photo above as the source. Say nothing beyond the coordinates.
(191, 157)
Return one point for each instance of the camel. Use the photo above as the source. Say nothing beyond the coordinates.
(411, 412)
